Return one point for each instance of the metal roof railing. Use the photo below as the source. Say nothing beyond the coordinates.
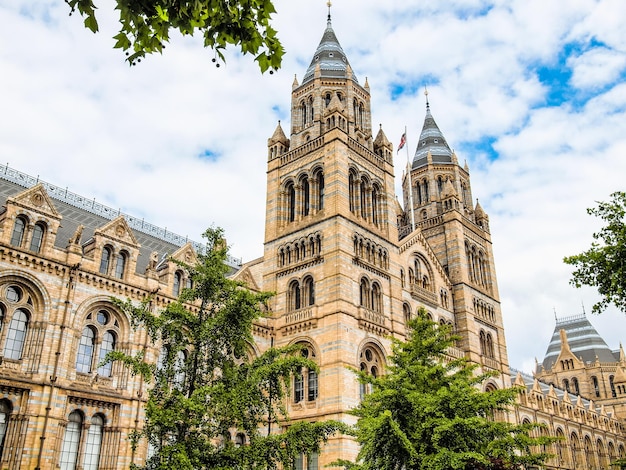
(90, 205)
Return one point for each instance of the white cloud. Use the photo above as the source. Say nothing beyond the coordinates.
(78, 116)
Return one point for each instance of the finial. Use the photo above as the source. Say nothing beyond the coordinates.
(555, 317)
(381, 126)
(426, 94)
(583, 306)
(329, 3)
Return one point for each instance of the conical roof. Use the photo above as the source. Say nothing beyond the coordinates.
(431, 140)
(584, 342)
(330, 58)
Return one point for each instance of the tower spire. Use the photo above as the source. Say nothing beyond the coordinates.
(426, 95)
(330, 4)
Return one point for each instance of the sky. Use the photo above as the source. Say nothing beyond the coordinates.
(529, 93)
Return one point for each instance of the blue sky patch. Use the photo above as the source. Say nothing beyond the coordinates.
(400, 88)
(484, 146)
(209, 155)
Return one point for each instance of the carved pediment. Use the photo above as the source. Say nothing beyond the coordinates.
(36, 199)
(245, 276)
(118, 230)
(186, 254)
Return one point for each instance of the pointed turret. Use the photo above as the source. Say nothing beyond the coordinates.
(330, 58)
(278, 136)
(431, 141)
(278, 143)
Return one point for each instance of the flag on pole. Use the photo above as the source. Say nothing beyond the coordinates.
(402, 142)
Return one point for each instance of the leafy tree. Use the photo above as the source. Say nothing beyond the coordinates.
(146, 26)
(427, 412)
(207, 387)
(604, 265)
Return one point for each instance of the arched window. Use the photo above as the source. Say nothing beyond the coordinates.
(37, 239)
(16, 335)
(566, 385)
(303, 113)
(575, 386)
(375, 205)
(602, 457)
(178, 280)
(308, 291)
(293, 296)
(93, 444)
(561, 449)
(320, 190)
(377, 298)
(483, 342)
(105, 260)
(107, 346)
(612, 384)
(489, 343)
(406, 310)
(305, 384)
(371, 363)
(291, 202)
(364, 293)
(5, 412)
(71, 441)
(19, 228)
(179, 369)
(120, 264)
(86, 346)
(576, 449)
(98, 338)
(306, 195)
(352, 188)
(363, 201)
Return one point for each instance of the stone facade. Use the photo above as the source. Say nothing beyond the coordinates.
(348, 265)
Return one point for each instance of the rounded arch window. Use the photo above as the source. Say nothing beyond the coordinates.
(19, 229)
(99, 336)
(37, 238)
(370, 363)
(305, 382)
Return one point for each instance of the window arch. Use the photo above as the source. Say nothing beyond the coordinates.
(364, 293)
(308, 291)
(305, 200)
(36, 241)
(575, 386)
(612, 385)
(561, 449)
(370, 363)
(105, 259)
(290, 195)
(93, 443)
(19, 230)
(293, 296)
(305, 382)
(406, 311)
(178, 281)
(99, 335)
(120, 264)
(16, 335)
(377, 298)
(71, 441)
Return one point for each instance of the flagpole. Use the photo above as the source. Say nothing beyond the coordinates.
(408, 167)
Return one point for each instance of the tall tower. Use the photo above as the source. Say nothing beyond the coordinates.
(330, 239)
(458, 233)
